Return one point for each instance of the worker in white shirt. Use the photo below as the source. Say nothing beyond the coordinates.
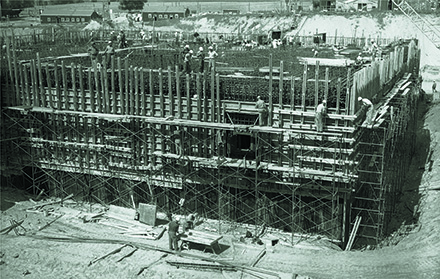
(370, 112)
(321, 112)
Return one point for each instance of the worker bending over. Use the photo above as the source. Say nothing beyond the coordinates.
(370, 112)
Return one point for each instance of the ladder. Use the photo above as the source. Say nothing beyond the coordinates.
(427, 28)
(353, 233)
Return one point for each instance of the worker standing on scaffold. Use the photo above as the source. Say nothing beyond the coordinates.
(370, 112)
(212, 54)
(262, 109)
(321, 113)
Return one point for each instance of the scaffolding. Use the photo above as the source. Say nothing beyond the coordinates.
(132, 134)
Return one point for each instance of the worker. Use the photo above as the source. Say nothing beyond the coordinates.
(109, 51)
(93, 52)
(374, 49)
(188, 223)
(200, 56)
(173, 233)
(262, 109)
(315, 52)
(321, 112)
(434, 87)
(113, 37)
(187, 62)
(212, 54)
(122, 39)
(370, 112)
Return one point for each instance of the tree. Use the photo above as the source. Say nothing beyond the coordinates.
(131, 4)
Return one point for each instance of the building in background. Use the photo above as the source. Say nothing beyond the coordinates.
(163, 13)
(73, 16)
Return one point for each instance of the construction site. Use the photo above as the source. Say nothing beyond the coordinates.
(137, 137)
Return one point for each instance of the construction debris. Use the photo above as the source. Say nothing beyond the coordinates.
(117, 250)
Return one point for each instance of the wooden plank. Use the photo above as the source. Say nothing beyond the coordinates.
(130, 99)
(213, 94)
(199, 97)
(121, 87)
(161, 96)
(179, 97)
(26, 72)
(147, 214)
(143, 101)
(280, 96)
(127, 87)
(326, 84)
(97, 90)
(270, 112)
(57, 86)
(75, 93)
(117, 250)
(11, 71)
(219, 115)
(66, 93)
(316, 83)
(105, 88)
(49, 87)
(188, 97)
(348, 91)
(150, 79)
(91, 90)
(34, 84)
(81, 88)
(338, 95)
(42, 93)
(170, 90)
(16, 79)
(136, 91)
(113, 85)
(21, 97)
(304, 89)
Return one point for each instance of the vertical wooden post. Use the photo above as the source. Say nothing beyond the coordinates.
(27, 88)
(219, 116)
(188, 97)
(292, 92)
(49, 87)
(348, 91)
(16, 81)
(161, 97)
(213, 94)
(81, 87)
(91, 90)
(316, 83)
(326, 84)
(304, 89)
(179, 97)
(40, 79)
(199, 97)
(75, 96)
(11, 71)
(136, 90)
(143, 102)
(121, 86)
(57, 85)
(150, 79)
(270, 112)
(34, 84)
(130, 99)
(280, 96)
(338, 94)
(66, 92)
(127, 88)
(105, 89)
(21, 97)
(170, 90)
(113, 84)
(97, 89)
